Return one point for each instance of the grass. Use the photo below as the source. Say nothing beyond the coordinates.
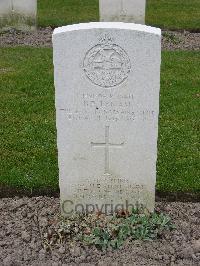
(28, 137)
(168, 14)
(27, 114)
(174, 14)
(62, 12)
(178, 160)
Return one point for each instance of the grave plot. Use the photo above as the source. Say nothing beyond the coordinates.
(109, 104)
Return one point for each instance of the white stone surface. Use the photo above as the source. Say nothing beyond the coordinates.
(5, 6)
(18, 14)
(122, 10)
(107, 80)
(26, 7)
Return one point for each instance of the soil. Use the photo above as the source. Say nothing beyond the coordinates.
(172, 40)
(23, 222)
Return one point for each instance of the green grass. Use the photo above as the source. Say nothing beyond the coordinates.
(28, 137)
(174, 14)
(178, 160)
(62, 12)
(28, 145)
(168, 14)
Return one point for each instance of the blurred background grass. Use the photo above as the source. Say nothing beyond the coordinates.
(167, 14)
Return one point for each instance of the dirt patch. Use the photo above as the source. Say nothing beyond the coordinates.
(40, 38)
(23, 221)
(172, 40)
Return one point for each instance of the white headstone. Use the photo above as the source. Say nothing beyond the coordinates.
(5, 7)
(18, 14)
(123, 10)
(107, 80)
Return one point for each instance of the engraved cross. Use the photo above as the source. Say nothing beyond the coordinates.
(12, 6)
(106, 145)
(122, 12)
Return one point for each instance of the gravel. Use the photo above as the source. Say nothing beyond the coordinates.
(40, 38)
(24, 221)
(171, 40)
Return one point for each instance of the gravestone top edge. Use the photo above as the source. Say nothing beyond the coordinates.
(108, 25)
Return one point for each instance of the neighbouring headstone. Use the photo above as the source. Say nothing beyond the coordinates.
(122, 10)
(18, 14)
(107, 80)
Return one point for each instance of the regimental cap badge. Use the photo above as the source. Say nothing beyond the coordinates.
(106, 64)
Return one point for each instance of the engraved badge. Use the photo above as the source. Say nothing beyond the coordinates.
(106, 64)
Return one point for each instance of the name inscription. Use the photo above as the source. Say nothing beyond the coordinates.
(107, 107)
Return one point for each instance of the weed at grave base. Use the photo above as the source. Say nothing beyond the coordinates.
(107, 232)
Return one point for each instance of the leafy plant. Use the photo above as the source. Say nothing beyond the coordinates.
(110, 231)
(135, 226)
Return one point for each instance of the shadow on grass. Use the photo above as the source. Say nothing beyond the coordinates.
(10, 192)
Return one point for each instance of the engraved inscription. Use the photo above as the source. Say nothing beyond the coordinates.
(108, 187)
(107, 107)
(106, 64)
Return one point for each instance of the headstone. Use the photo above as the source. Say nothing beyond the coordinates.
(18, 14)
(5, 7)
(123, 10)
(107, 80)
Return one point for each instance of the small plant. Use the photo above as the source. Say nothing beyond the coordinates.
(136, 226)
(109, 231)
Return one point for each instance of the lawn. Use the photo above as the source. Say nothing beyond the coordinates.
(28, 145)
(168, 14)
(174, 14)
(28, 142)
(62, 12)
